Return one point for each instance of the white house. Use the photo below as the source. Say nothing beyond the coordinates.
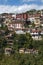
(8, 51)
(16, 25)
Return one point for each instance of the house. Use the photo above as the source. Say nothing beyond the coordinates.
(35, 51)
(37, 22)
(16, 25)
(14, 16)
(20, 32)
(27, 16)
(7, 21)
(34, 32)
(28, 51)
(21, 50)
(6, 15)
(9, 39)
(32, 19)
(22, 16)
(27, 30)
(1, 21)
(10, 43)
(41, 23)
(36, 35)
(41, 32)
(19, 16)
(8, 51)
(2, 32)
(41, 20)
(31, 51)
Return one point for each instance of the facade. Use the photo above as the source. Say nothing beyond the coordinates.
(41, 19)
(8, 51)
(22, 16)
(16, 25)
(36, 34)
(21, 50)
(37, 22)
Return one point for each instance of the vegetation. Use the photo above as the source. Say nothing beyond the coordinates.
(22, 41)
(22, 59)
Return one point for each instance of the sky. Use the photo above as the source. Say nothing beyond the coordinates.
(19, 6)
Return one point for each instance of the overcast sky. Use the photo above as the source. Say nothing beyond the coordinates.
(19, 6)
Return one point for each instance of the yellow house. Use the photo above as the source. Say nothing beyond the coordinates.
(37, 22)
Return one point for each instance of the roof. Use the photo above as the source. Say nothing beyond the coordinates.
(8, 48)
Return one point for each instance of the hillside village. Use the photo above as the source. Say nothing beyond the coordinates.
(20, 24)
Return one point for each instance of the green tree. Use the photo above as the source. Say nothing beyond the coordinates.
(33, 25)
(15, 41)
(29, 41)
(22, 40)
